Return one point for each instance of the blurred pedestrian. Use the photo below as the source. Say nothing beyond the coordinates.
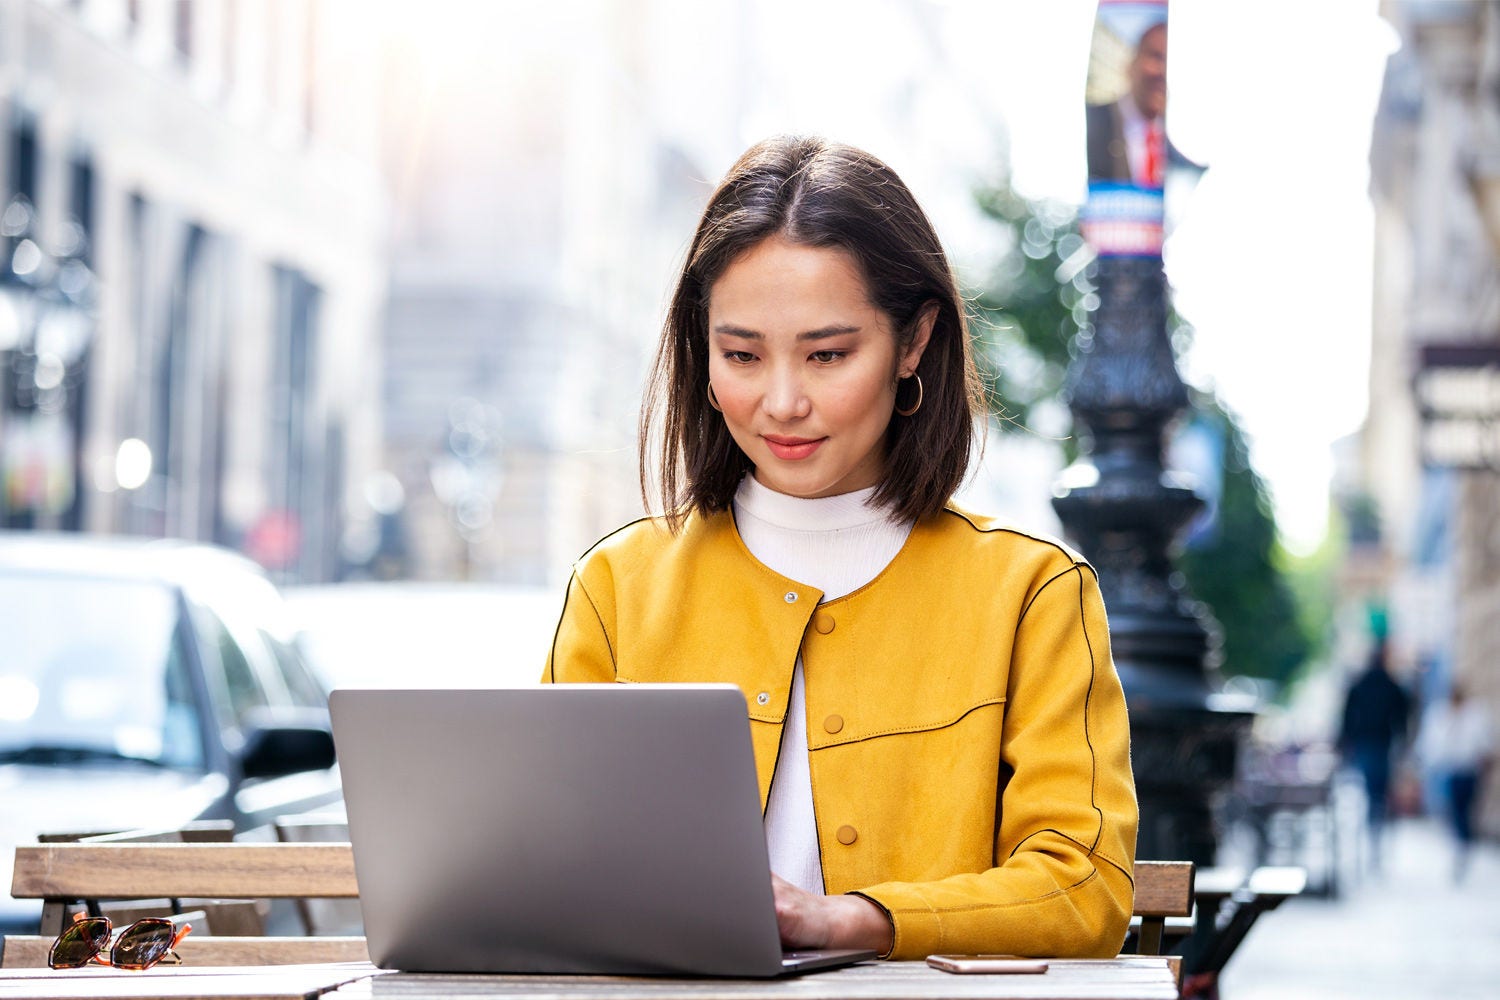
(1457, 746)
(1376, 714)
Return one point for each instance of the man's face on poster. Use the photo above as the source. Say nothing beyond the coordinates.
(1148, 72)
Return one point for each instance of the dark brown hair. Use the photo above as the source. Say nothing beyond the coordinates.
(821, 194)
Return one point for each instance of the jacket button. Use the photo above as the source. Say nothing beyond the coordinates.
(823, 622)
(847, 835)
(833, 723)
(762, 698)
(791, 597)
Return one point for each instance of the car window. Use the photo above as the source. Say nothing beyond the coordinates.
(246, 613)
(182, 731)
(94, 669)
(300, 682)
(238, 680)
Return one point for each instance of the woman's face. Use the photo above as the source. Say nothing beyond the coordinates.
(804, 367)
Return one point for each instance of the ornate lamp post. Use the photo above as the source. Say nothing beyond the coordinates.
(1123, 509)
(1118, 502)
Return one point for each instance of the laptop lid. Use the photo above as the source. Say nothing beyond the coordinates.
(561, 829)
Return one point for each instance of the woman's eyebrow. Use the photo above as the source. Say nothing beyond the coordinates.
(730, 330)
(826, 332)
(822, 333)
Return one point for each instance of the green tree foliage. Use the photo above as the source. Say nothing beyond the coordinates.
(1235, 566)
(1033, 305)
(1029, 313)
(1313, 577)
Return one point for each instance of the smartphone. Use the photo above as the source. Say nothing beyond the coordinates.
(985, 964)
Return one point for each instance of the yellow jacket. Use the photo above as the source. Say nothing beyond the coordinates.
(967, 735)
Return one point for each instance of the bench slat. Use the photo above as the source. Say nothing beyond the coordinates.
(145, 871)
(1163, 888)
(30, 951)
(1278, 883)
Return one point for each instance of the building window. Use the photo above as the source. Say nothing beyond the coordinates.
(81, 203)
(23, 157)
(289, 540)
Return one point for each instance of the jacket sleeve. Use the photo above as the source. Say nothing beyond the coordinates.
(582, 650)
(1065, 837)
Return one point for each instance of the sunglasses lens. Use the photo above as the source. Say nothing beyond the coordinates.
(143, 944)
(80, 942)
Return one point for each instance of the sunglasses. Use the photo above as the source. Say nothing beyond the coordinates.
(147, 942)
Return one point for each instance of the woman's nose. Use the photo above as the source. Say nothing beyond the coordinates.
(785, 398)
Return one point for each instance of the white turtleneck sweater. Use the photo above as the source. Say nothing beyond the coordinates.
(837, 545)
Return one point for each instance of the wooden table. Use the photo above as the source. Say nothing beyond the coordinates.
(183, 982)
(1127, 978)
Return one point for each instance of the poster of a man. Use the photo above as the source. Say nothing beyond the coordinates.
(1127, 136)
(1129, 155)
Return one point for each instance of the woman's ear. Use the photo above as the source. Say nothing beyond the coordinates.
(912, 356)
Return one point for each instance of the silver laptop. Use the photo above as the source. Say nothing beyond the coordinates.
(581, 828)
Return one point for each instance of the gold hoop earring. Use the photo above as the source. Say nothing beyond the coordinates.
(712, 399)
(918, 404)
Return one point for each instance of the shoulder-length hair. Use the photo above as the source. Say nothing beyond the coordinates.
(821, 194)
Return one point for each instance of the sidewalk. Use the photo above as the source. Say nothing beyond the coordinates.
(1408, 931)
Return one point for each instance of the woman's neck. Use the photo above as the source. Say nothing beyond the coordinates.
(836, 544)
(844, 510)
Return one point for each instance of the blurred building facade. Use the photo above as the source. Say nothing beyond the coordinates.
(214, 167)
(547, 170)
(540, 206)
(1423, 501)
(502, 191)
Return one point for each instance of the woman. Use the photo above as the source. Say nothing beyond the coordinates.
(1457, 748)
(938, 728)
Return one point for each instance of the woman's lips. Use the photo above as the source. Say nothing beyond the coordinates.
(791, 449)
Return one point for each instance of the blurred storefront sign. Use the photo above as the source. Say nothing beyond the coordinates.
(1457, 391)
(37, 464)
(275, 539)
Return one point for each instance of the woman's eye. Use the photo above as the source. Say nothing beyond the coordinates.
(826, 357)
(739, 357)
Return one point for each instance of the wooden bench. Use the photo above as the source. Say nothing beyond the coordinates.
(67, 875)
(1163, 893)
(203, 831)
(1224, 903)
(1229, 904)
(321, 916)
(1162, 889)
(243, 918)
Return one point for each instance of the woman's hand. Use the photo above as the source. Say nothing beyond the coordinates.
(813, 921)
